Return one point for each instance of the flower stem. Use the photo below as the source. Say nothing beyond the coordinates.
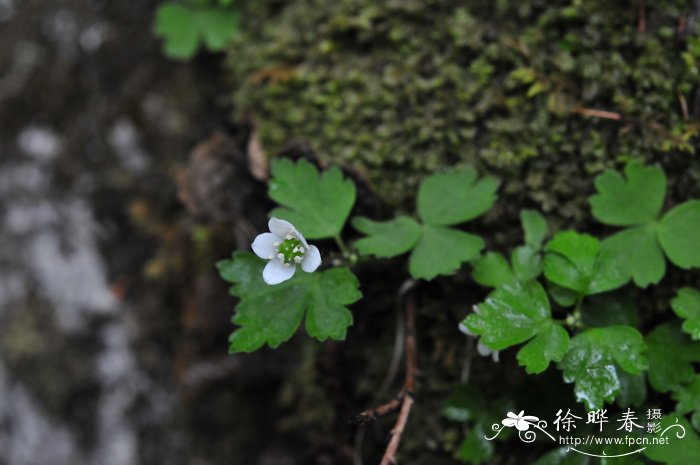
(341, 245)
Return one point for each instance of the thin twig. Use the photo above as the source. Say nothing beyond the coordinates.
(372, 414)
(390, 454)
(409, 384)
(642, 19)
(597, 113)
(684, 106)
(379, 411)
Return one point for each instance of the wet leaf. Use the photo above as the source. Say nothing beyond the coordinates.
(549, 345)
(592, 360)
(510, 315)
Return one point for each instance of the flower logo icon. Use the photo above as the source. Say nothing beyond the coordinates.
(520, 421)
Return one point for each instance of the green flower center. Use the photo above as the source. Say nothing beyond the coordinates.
(291, 251)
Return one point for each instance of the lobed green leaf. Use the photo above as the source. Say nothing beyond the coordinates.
(317, 205)
(510, 315)
(575, 261)
(633, 200)
(679, 233)
(217, 27)
(178, 27)
(389, 238)
(272, 314)
(638, 253)
(592, 360)
(549, 345)
(526, 262)
(686, 304)
(492, 270)
(671, 357)
(455, 197)
(441, 251)
(534, 227)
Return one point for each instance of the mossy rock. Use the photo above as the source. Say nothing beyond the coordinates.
(398, 89)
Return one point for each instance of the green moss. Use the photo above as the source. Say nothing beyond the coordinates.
(402, 89)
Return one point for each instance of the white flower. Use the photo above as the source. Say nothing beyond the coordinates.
(520, 421)
(286, 248)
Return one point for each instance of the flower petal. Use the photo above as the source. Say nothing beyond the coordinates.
(276, 272)
(509, 422)
(311, 260)
(463, 328)
(280, 227)
(263, 245)
(522, 425)
(298, 235)
(483, 350)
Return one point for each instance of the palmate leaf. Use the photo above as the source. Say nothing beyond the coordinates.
(510, 315)
(217, 27)
(687, 306)
(633, 201)
(444, 199)
(515, 313)
(526, 261)
(183, 27)
(577, 262)
(272, 314)
(389, 238)
(671, 357)
(492, 270)
(441, 251)
(636, 201)
(317, 205)
(535, 227)
(549, 345)
(455, 197)
(688, 397)
(179, 29)
(679, 234)
(593, 358)
(639, 254)
(678, 451)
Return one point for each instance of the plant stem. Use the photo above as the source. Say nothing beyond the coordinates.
(341, 245)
